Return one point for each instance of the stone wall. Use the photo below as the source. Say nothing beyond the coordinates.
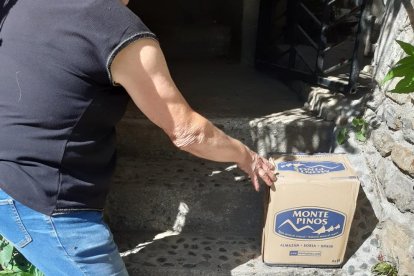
(385, 162)
(390, 115)
(390, 149)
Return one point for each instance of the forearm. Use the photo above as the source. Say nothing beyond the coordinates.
(201, 138)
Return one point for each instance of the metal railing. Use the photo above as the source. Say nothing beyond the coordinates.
(307, 26)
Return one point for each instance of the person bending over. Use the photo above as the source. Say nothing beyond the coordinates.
(64, 70)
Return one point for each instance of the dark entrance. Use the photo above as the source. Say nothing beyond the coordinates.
(194, 29)
(312, 40)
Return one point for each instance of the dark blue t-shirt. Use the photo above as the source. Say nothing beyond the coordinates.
(58, 107)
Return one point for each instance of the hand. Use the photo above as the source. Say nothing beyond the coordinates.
(256, 166)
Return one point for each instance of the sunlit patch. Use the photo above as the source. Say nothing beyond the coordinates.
(177, 228)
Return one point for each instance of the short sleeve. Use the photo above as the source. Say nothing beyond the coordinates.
(116, 27)
(122, 44)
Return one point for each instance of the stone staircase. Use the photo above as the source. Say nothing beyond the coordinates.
(174, 214)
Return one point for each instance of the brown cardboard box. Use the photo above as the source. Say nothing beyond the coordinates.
(309, 210)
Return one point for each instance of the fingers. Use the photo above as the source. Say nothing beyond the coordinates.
(267, 164)
(271, 171)
(268, 168)
(266, 177)
(255, 182)
(259, 167)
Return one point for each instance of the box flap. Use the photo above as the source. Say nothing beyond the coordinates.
(308, 167)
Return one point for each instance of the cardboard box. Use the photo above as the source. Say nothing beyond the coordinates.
(309, 211)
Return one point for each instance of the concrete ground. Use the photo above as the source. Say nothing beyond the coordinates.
(172, 213)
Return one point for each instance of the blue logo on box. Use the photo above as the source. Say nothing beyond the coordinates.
(309, 223)
(306, 167)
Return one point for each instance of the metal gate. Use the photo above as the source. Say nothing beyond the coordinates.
(311, 40)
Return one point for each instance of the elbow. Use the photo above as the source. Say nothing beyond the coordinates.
(186, 137)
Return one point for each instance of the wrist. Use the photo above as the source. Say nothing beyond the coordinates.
(247, 157)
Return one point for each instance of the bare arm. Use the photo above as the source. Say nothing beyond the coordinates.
(141, 69)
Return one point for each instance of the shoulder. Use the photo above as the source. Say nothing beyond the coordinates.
(142, 57)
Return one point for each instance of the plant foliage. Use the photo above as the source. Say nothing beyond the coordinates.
(404, 69)
(342, 136)
(384, 269)
(359, 126)
(14, 263)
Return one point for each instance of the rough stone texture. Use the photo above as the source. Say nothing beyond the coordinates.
(372, 155)
(391, 116)
(398, 187)
(398, 244)
(372, 118)
(383, 142)
(331, 106)
(377, 98)
(403, 157)
(295, 130)
(205, 255)
(399, 98)
(157, 188)
(387, 52)
(388, 184)
(408, 127)
(390, 188)
(228, 253)
(150, 140)
(380, 113)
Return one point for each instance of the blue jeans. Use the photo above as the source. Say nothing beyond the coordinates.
(76, 243)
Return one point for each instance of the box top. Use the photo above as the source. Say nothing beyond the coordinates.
(313, 167)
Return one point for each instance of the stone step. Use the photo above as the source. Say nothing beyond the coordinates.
(153, 194)
(294, 130)
(174, 253)
(138, 137)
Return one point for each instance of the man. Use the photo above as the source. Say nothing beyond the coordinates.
(64, 68)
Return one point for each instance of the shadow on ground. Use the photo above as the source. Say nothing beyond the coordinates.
(197, 253)
(363, 225)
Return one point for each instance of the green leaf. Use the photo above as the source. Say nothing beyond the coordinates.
(406, 60)
(34, 271)
(20, 263)
(23, 274)
(37, 272)
(406, 85)
(407, 47)
(358, 122)
(360, 136)
(3, 242)
(342, 136)
(12, 273)
(14, 263)
(7, 272)
(404, 67)
(6, 254)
